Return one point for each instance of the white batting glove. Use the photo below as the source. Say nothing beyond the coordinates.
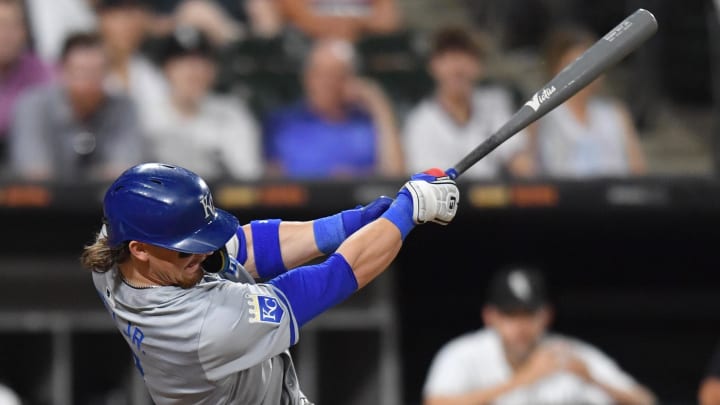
(434, 196)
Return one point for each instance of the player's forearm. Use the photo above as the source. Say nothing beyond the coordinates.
(370, 250)
(297, 243)
(477, 397)
(296, 246)
(429, 196)
(637, 395)
(273, 246)
(311, 290)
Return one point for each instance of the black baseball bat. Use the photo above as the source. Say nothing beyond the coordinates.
(615, 45)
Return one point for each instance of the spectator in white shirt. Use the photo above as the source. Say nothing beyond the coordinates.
(516, 360)
(215, 136)
(8, 397)
(589, 135)
(123, 25)
(460, 115)
(51, 22)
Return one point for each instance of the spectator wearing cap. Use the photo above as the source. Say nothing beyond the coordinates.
(516, 360)
(460, 114)
(123, 25)
(344, 128)
(215, 136)
(20, 69)
(73, 130)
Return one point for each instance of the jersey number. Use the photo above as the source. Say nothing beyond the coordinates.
(136, 336)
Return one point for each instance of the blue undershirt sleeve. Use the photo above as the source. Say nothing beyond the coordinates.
(313, 289)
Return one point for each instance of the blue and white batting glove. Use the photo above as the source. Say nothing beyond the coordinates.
(430, 196)
(435, 197)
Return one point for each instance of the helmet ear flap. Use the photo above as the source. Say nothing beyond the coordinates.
(221, 262)
(217, 261)
(223, 259)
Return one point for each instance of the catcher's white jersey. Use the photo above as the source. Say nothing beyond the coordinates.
(476, 360)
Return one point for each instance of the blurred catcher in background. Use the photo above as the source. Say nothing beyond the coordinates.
(516, 360)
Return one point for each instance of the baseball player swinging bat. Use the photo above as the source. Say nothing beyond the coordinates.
(607, 51)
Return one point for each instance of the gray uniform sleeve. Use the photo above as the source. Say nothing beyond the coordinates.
(244, 325)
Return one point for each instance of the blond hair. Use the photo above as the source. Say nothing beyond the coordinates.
(100, 257)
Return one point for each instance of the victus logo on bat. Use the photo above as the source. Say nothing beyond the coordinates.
(541, 97)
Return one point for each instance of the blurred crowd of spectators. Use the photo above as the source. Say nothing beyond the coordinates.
(91, 87)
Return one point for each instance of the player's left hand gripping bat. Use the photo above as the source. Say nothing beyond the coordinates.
(607, 51)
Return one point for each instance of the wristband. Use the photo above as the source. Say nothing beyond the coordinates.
(266, 247)
(329, 233)
(400, 213)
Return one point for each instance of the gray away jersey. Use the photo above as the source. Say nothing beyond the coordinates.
(220, 342)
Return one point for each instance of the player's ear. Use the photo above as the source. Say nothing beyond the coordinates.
(138, 250)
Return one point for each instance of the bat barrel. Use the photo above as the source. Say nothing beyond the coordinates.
(611, 48)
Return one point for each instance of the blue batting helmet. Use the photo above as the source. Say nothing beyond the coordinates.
(165, 206)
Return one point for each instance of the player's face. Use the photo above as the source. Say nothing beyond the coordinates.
(455, 72)
(175, 268)
(519, 332)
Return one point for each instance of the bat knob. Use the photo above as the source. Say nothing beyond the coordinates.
(452, 173)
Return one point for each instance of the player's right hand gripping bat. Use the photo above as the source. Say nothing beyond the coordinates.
(607, 51)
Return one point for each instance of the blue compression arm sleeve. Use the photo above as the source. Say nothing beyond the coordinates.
(313, 289)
